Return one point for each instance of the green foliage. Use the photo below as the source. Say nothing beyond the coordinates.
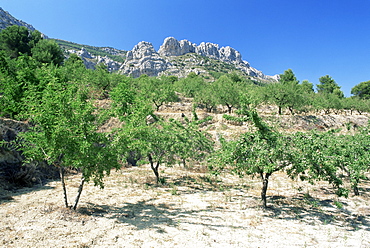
(190, 86)
(227, 92)
(362, 90)
(158, 90)
(351, 154)
(327, 102)
(328, 86)
(325, 156)
(16, 40)
(205, 97)
(48, 52)
(259, 153)
(312, 159)
(288, 93)
(307, 87)
(17, 77)
(65, 132)
(288, 77)
(159, 141)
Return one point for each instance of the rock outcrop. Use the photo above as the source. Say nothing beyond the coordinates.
(12, 169)
(143, 59)
(91, 61)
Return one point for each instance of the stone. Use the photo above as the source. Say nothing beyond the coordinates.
(187, 47)
(208, 50)
(143, 59)
(170, 47)
(230, 55)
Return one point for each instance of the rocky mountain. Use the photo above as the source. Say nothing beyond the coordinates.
(182, 57)
(174, 57)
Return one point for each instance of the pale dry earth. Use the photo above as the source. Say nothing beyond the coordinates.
(192, 209)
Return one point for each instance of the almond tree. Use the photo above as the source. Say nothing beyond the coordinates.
(159, 91)
(158, 142)
(65, 134)
(350, 154)
(265, 151)
(258, 153)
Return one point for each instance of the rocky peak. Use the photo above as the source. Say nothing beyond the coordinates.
(173, 47)
(208, 50)
(230, 55)
(143, 59)
(141, 50)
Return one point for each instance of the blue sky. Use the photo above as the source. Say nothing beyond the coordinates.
(314, 38)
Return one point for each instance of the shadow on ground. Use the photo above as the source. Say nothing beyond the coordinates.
(314, 211)
(9, 195)
(144, 215)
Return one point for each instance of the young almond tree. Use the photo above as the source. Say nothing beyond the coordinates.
(264, 151)
(159, 141)
(315, 159)
(350, 154)
(259, 152)
(65, 134)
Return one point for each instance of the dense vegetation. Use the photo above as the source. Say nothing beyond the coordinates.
(60, 99)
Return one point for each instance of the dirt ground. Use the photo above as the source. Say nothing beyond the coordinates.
(192, 209)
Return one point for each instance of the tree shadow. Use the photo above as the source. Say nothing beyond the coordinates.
(314, 211)
(146, 215)
(8, 195)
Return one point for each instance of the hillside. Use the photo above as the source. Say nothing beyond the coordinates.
(11, 161)
(192, 208)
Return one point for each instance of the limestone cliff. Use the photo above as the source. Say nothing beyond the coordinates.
(143, 59)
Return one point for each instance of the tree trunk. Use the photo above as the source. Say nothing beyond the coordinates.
(265, 182)
(79, 192)
(229, 108)
(154, 168)
(291, 110)
(61, 171)
(355, 190)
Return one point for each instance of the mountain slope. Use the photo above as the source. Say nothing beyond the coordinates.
(7, 20)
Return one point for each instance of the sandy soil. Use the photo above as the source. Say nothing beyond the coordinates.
(192, 209)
